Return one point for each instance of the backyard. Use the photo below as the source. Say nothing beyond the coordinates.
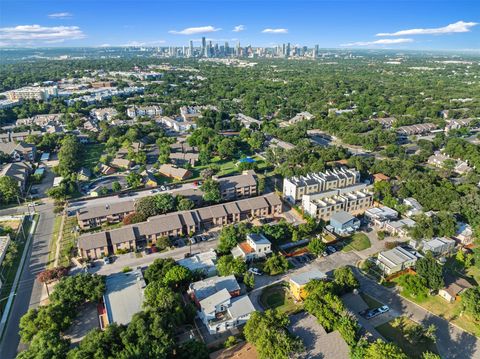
(278, 297)
(91, 155)
(395, 333)
(357, 242)
(67, 244)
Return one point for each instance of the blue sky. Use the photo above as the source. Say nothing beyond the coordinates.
(416, 24)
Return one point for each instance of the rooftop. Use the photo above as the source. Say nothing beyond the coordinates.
(305, 277)
(124, 296)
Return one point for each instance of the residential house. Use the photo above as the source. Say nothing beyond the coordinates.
(297, 118)
(20, 151)
(121, 163)
(247, 121)
(343, 223)
(150, 179)
(256, 246)
(106, 170)
(464, 234)
(175, 172)
(104, 114)
(178, 124)
(379, 177)
(204, 263)
(379, 215)
(150, 111)
(400, 227)
(439, 246)
(219, 305)
(122, 239)
(84, 174)
(396, 260)
(19, 171)
(454, 287)
(299, 281)
(414, 209)
(294, 188)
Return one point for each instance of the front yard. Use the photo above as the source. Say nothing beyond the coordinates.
(357, 242)
(395, 334)
(278, 297)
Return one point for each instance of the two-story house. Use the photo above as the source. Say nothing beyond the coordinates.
(256, 246)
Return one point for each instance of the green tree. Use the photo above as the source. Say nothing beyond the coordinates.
(185, 204)
(157, 270)
(268, 332)
(9, 189)
(382, 350)
(348, 327)
(99, 344)
(227, 265)
(344, 279)
(430, 355)
(249, 280)
(428, 268)
(471, 302)
(211, 191)
(316, 246)
(116, 186)
(230, 342)
(164, 203)
(276, 264)
(193, 349)
(69, 156)
(134, 180)
(414, 285)
(229, 237)
(177, 277)
(46, 345)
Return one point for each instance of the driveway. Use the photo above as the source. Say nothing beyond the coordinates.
(452, 342)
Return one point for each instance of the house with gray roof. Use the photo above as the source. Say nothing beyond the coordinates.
(93, 245)
(396, 260)
(240, 186)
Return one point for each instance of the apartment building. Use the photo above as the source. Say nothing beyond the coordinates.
(19, 172)
(150, 111)
(396, 260)
(33, 93)
(179, 124)
(20, 151)
(295, 187)
(174, 224)
(240, 186)
(353, 199)
(247, 121)
(95, 216)
(417, 129)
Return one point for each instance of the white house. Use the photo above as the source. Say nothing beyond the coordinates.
(256, 246)
(202, 262)
(439, 246)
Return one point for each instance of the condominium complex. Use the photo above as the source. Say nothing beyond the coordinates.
(177, 224)
(295, 187)
(240, 186)
(352, 199)
(33, 93)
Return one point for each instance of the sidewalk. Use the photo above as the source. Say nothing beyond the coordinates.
(12, 294)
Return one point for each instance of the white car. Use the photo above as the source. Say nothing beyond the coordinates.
(255, 271)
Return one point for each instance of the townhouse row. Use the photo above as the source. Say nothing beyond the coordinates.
(232, 187)
(177, 224)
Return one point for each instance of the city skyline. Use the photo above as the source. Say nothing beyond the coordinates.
(428, 25)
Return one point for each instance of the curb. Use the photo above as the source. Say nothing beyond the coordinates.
(11, 296)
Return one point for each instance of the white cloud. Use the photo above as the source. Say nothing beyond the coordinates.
(238, 28)
(195, 30)
(31, 34)
(459, 26)
(60, 15)
(143, 43)
(379, 42)
(275, 31)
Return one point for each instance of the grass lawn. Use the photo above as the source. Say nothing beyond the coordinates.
(278, 297)
(68, 241)
(8, 274)
(92, 154)
(53, 242)
(357, 242)
(449, 311)
(394, 334)
(228, 167)
(474, 272)
(371, 302)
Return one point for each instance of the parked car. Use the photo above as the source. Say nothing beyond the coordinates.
(187, 255)
(107, 260)
(255, 271)
(331, 249)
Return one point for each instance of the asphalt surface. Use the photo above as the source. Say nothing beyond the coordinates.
(452, 342)
(29, 291)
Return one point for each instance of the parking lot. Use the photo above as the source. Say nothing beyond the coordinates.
(301, 260)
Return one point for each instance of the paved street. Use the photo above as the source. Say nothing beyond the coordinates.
(131, 261)
(452, 342)
(29, 290)
(115, 199)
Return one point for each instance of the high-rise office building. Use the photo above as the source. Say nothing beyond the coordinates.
(316, 51)
(204, 47)
(191, 49)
